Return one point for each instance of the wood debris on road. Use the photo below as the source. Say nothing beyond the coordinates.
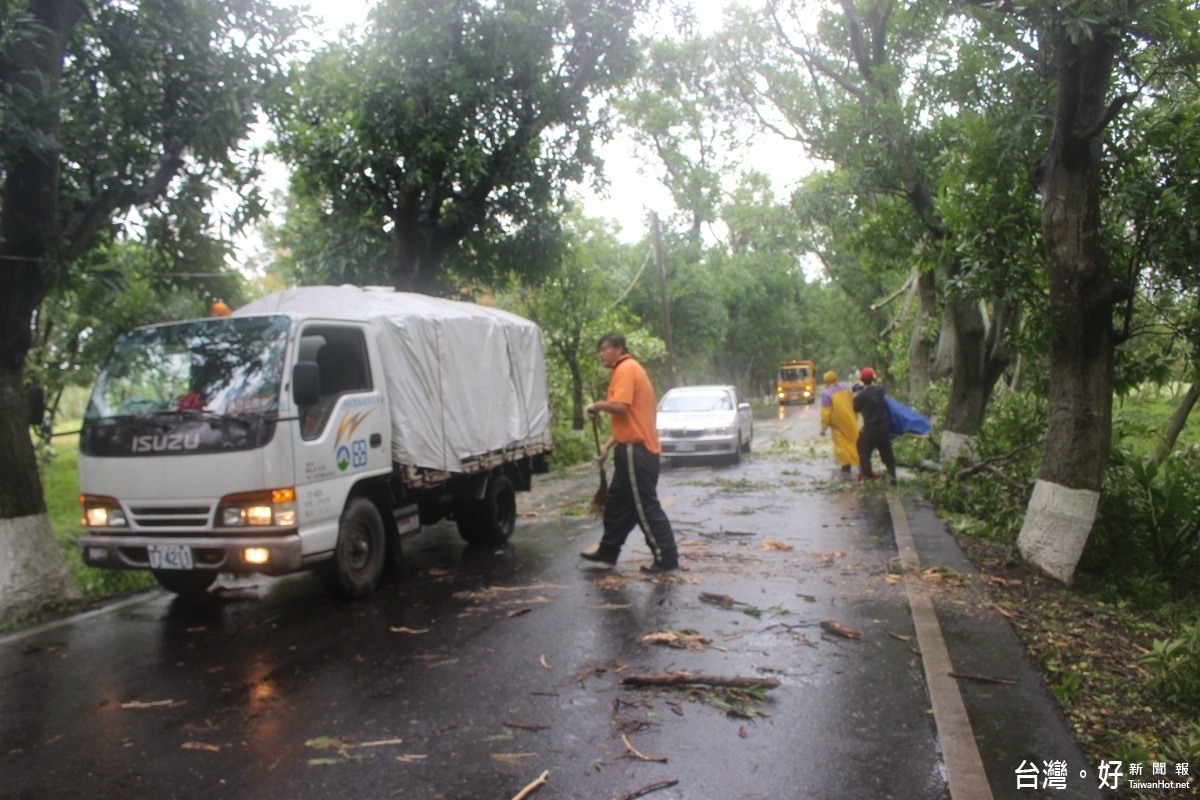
(688, 679)
(838, 629)
(533, 787)
(654, 787)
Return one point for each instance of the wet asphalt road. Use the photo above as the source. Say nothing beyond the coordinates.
(478, 670)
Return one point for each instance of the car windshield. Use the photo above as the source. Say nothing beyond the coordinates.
(708, 401)
(228, 365)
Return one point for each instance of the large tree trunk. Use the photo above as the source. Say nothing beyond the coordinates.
(979, 362)
(968, 395)
(33, 573)
(920, 346)
(964, 337)
(417, 257)
(1082, 295)
(577, 403)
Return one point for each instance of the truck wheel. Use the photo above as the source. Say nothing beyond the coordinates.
(492, 519)
(358, 558)
(186, 583)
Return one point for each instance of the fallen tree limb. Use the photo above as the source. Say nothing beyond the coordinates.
(633, 751)
(654, 787)
(723, 600)
(687, 679)
(525, 726)
(533, 787)
(839, 629)
(983, 678)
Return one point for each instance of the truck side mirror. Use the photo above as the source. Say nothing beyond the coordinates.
(35, 403)
(306, 383)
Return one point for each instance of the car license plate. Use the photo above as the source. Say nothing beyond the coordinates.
(170, 556)
(685, 447)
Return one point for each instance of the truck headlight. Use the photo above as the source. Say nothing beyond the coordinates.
(273, 507)
(102, 512)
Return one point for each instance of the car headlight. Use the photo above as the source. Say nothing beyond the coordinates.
(270, 508)
(718, 431)
(102, 512)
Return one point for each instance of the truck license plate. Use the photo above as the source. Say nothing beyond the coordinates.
(685, 447)
(170, 556)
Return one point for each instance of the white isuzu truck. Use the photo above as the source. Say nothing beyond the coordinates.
(310, 429)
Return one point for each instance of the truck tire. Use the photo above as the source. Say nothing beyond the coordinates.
(358, 558)
(492, 519)
(187, 582)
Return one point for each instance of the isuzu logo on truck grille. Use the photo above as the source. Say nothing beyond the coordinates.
(166, 442)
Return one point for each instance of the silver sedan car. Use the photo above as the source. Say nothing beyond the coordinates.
(705, 421)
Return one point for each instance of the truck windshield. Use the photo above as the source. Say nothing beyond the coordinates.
(793, 374)
(213, 384)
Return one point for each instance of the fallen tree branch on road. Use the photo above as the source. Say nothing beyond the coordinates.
(687, 679)
(654, 787)
(838, 629)
(533, 787)
(635, 753)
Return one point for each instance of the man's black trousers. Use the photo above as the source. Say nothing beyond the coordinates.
(876, 437)
(633, 500)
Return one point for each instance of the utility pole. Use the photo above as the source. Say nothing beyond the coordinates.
(662, 293)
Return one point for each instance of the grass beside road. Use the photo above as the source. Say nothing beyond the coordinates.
(60, 482)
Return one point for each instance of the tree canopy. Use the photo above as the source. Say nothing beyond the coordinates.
(106, 107)
(453, 126)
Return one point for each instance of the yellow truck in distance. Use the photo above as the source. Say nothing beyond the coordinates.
(797, 382)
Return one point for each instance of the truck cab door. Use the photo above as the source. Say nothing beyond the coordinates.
(344, 436)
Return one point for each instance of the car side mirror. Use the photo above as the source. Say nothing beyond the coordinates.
(743, 405)
(306, 383)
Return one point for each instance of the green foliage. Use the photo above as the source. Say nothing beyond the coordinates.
(1175, 664)
(119, 286)
(1149, 524)
(572, 447)
(1067, 689)
(993, 500)
(675, 110)
(451, 129)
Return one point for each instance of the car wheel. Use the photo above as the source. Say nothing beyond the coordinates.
(736, 457)
(358, 558)
(186, 583)
(492, 519)
(746, 446)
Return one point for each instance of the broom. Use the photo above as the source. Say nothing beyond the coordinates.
(601, 496)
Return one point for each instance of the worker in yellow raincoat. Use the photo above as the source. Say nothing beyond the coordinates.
(837, 412)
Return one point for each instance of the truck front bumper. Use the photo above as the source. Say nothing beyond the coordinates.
(206, 552)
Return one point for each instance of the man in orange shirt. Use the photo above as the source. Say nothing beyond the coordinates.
(633, 495)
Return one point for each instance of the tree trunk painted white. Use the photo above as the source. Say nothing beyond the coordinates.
(33, 573)
(1056, 528)
(953, 444)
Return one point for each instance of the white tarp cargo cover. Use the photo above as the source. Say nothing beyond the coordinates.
(461, 379)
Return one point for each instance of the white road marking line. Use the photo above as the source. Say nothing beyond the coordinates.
(964, 767)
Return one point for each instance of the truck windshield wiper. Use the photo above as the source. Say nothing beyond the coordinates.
(138, 419)
(204, 414)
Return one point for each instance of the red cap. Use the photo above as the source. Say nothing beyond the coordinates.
(867, 374)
